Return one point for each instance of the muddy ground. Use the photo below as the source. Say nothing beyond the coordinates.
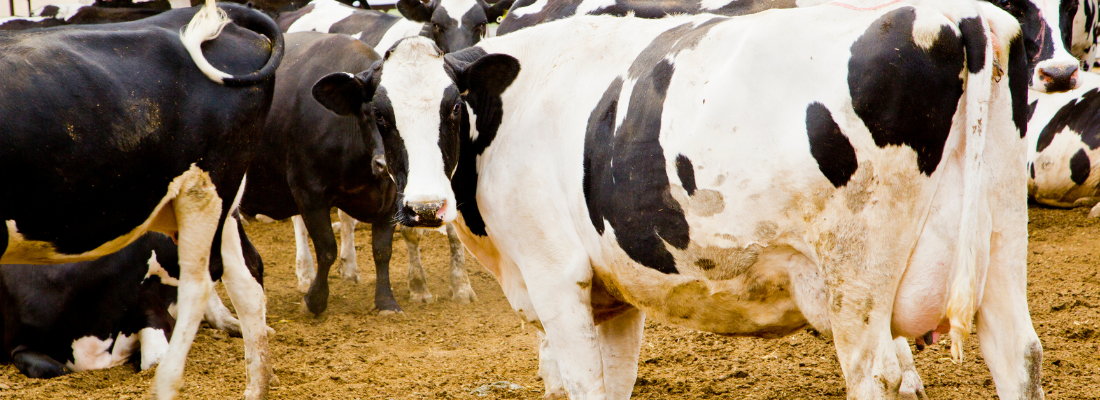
(446, 350)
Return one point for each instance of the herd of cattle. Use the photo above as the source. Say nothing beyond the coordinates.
(694, 161)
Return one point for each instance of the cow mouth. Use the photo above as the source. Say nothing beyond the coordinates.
(424, 214)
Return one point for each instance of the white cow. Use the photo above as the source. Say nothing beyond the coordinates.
(1063, 137)
(867, 180)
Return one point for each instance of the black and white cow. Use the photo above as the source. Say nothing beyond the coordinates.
(1050, 27)
(605, 169)
(114, 130)
(312, 160)
(76, 14)
(1064, 146)
(101, 313)
(453, 24)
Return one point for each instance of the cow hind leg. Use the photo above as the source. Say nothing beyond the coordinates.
(319, 226)
(461, 291)
(548, 370)
(912, 388)
(219, 317)
(382, 247)
(1011, 348)
(620, 346)
(303, 261)
(251, 304)
(418, 280)
(37, 365)
(349, 262)
(197, 209)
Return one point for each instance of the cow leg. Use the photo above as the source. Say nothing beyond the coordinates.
(418, 280)
(1005, 332)
(548, 370)
(197, 210)
(864, 343)
(251, 304)
(912, 388)
(461, 291)
(37, 365)
(349, 263)
(382, 245)
(219, 316)
(620, 346)
(303, 261)
(319, 225)
(562, 301)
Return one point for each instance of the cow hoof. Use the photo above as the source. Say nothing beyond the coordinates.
(421, 297)
(464, 296)
(303, 286)
(1095, 211)
(350, 276)
(315, 307)
(387, 306)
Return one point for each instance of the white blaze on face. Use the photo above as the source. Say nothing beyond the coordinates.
(156, 270)
(457, 8)
(415, 80)
(1049, 11)
(325, 13)
(403, 28)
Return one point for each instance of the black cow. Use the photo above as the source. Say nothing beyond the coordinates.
(98, 314)
(117, 129)
(54, 16)
(312, 160)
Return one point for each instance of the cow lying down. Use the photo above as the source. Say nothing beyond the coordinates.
(867, 180)
(1063, 140)
(99, 314)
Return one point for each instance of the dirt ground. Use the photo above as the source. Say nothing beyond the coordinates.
(446, 350)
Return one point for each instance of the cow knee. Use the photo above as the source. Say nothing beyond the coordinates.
(37, 365)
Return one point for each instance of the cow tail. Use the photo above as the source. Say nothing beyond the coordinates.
(208, 24)
(970, 254)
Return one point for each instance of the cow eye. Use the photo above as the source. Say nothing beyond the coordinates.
(436, 28)
(1005, 4)
(456, 109)
(379, 119)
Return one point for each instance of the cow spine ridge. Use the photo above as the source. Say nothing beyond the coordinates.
(206, 25)
(962, 290)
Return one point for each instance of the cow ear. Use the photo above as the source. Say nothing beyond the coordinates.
(340, 92)
(415, 10)
(488, 75)
(498, 10)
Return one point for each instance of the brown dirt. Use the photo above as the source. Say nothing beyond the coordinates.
(446, 350)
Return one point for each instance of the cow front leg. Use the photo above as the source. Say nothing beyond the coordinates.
(382, 246)
(1011, 348)
(303, 261)
(349, 263)
(912, 388)
(548, 370)
(319, 225)
(461, 291)
(562, 300)
(197, 209)
(251, 304)
(418, 279)
(620, 346)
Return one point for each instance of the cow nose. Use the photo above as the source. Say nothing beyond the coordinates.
(1059, 78)
(424, 213)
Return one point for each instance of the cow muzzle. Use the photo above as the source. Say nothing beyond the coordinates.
(424, 214)
(1057, 77)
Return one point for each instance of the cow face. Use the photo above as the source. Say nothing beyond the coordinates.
(1046, 31)
(453, 24)
(418, 102)
(346, 94)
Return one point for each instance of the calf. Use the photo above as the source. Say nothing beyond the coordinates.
(99, 314)
(868, 180)
(114, 130)
(1064, 134)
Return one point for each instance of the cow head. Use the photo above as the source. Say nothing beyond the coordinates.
(1047, 27)
(453, 24)
(418, 101)
(346, 94)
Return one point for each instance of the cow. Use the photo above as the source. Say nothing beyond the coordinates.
(453, 24)
(666, 168)
(114, 130)
(1063, 137)
(1052, 62)
(312, 159)
(55, 16)
(102, 313)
